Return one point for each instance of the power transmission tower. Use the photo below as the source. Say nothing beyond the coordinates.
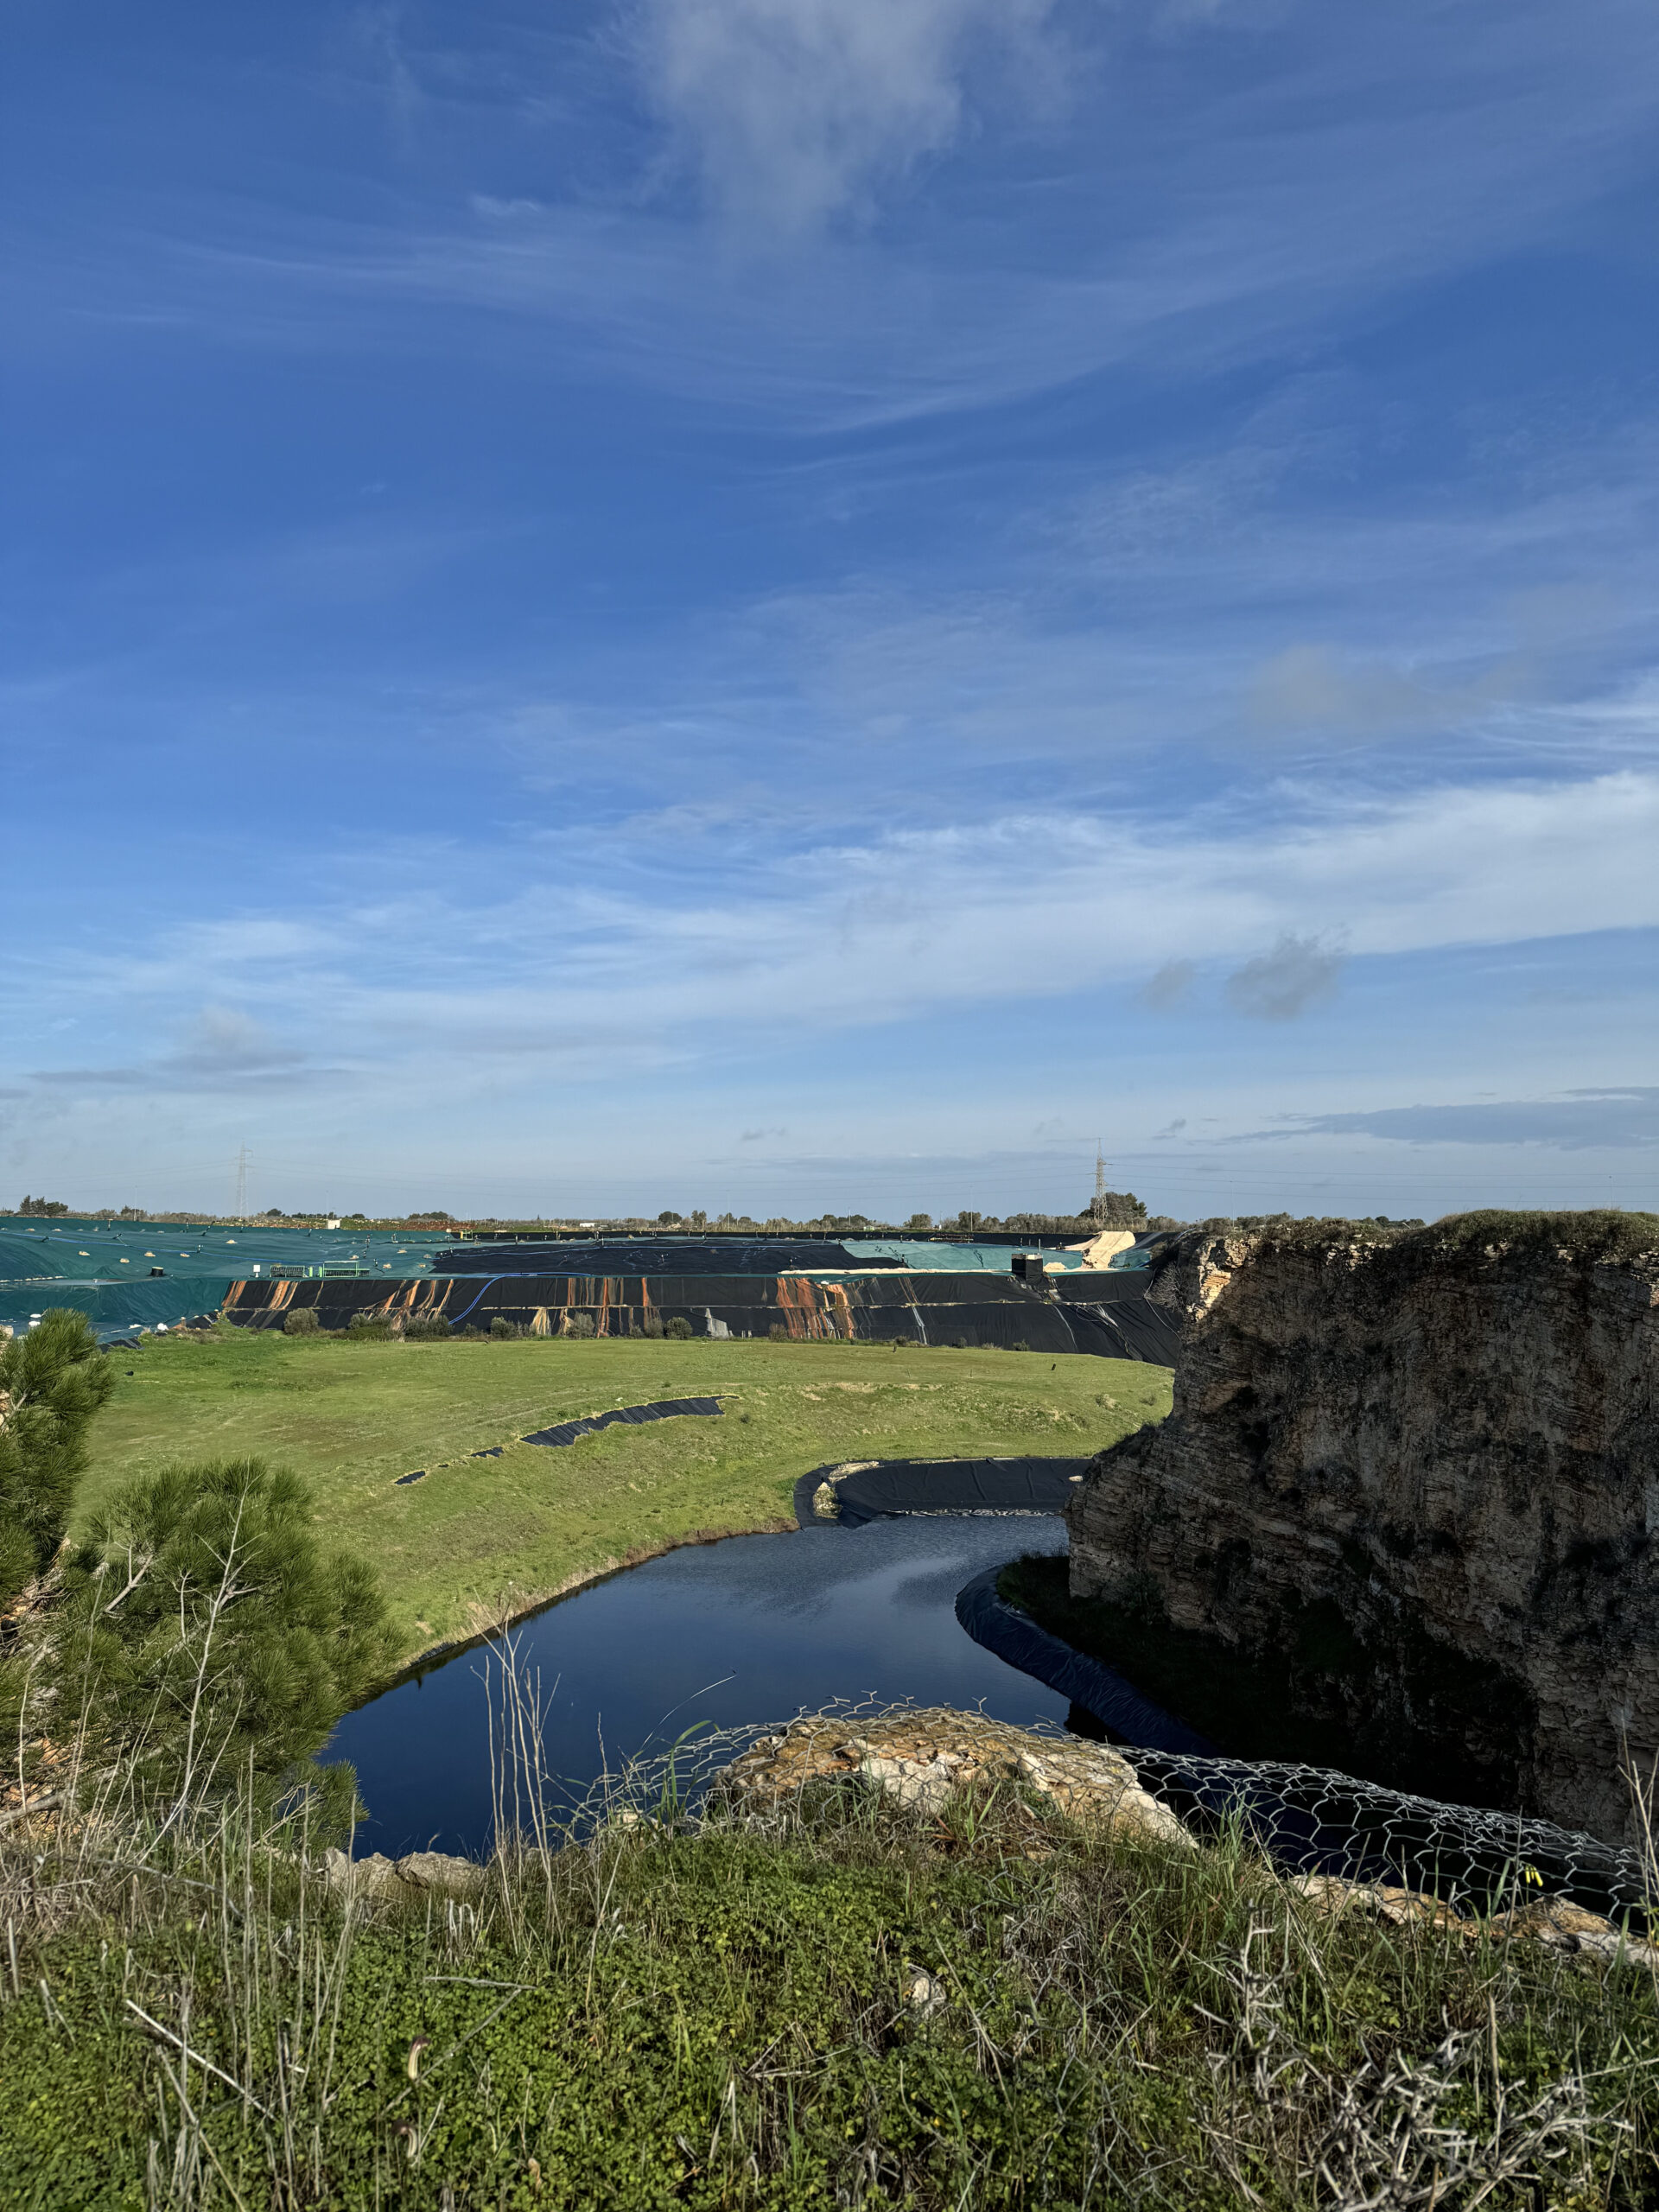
(239, 1211)
(1098, 1210)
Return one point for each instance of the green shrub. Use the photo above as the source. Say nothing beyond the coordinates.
(653, 1325)
(779, 1332)
(53, 1379)
(677, 1327)
(581, 1325)
(373, 1328)
(205, 1634)
(501, 1327)
(421, 1327)
(300, 1321)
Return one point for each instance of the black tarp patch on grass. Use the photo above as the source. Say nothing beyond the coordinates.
(1029, 1484)
(567, 1432)
(418, 1476)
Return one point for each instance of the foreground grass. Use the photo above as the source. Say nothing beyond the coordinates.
(859, 2007)
(478, 1535)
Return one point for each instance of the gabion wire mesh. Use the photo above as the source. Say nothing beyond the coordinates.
(1304, 1819)
(1312, 1820)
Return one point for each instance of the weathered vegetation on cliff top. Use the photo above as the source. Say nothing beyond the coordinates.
(350, 1418)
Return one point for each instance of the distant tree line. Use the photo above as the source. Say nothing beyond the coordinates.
(1116, 1210)
(1119, 1209)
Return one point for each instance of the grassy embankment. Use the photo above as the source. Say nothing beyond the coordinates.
(732, 2016)
(480, 1535)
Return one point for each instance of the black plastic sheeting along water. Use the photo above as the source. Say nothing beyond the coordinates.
(1127, 1716)
(1103, 1313)
(649, 1255)
(567, 1432)
(1032, 1484)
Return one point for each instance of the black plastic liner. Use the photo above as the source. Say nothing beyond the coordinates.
(567, 1432)
(1125, 1329)
(969, 1309)
(1127, 1716)
(1033, 1484)
(649, 1255)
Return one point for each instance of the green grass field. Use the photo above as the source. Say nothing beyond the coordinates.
(478, 1536)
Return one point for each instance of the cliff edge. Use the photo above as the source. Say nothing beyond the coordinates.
(1419, 1468)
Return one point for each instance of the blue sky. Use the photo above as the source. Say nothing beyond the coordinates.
(813, 603)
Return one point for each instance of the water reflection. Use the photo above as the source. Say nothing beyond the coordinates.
(749, 1629)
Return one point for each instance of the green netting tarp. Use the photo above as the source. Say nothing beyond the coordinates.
(115, 1309)
(104, 1268)
(82, 1249)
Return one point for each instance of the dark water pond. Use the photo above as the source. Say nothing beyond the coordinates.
(748, 1630)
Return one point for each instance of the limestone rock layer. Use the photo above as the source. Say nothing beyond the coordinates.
(1419, 1469)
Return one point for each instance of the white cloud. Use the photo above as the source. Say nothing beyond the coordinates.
(1277, 986)
(1309, 687)
(1170, 987)
(794, 111)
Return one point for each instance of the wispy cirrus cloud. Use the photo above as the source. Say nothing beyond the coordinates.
(1273, 215)
(578, 976)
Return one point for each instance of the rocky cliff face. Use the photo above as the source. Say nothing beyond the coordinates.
(1419, 1469)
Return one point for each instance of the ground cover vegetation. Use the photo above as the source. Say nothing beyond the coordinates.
(1606, 1233)
(349, 1415)
(842, 2002)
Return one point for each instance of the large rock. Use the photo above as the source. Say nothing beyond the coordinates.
(1422, 1468)
(920, 1759)
(378, 1876)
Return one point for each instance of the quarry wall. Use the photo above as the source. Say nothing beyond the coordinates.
(1422, 1468)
